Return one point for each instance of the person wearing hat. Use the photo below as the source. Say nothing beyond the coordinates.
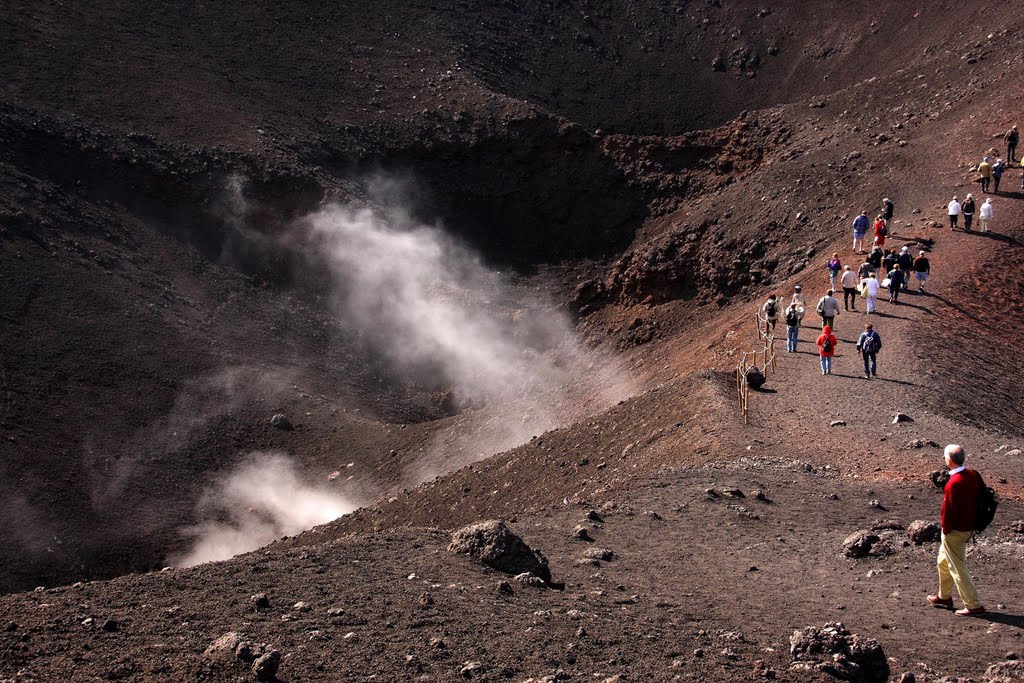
(968, 211)
(986, 214)
(869, 344)
(985, 169)
(906, 262)
(798, 299)
(922, 269)
(1011, 138)
(954, 211)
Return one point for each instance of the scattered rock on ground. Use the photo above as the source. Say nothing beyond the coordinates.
(837, 423)
(833, 650)
(266, 665)
(922, 443)
(858, 544)
(603, 554)
(498, 547)
(281, 421)
(260, 600)
(580, 533)
(939, 478)
(1005, 672)
(921, 531)
(529, 579)
(1015, 453)
(901, 417)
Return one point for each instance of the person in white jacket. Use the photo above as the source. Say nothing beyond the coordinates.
(954, 210)
(871, 287)
(986, 214)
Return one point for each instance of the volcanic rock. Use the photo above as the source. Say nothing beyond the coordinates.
(603, 554)
(939, 478)
(921, 531)
(833, 650)
(495, 545)
(858, 544)
(281, 421)
(901, 417)
(266, 665)
(1005, 672)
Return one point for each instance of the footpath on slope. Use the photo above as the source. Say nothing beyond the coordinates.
(801, 403)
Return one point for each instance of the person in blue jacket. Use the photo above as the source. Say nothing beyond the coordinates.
(860, 228)
(869, 344)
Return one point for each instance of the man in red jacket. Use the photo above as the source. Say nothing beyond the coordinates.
(959, 510)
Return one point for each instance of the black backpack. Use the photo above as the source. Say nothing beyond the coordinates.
(987, 505)
(771, 309)
(792, 319)
(827, 346)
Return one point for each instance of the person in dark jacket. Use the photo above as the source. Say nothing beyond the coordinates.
(1012, 138)
(869, 344)
(922, 269)
(997, 174)
(860, 228)
(906, 262)
(968, 210)
(875, 258)
(959, 511)
(895, 283)
(890, 260)
(866, 269)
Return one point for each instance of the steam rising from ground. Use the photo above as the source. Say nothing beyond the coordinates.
(432, 307)
(260, 501)
(505, 355)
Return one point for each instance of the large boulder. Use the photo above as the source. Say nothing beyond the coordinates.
(921, 531)
(494, 544)
(833, 650)
(859, 543)
(1005, 672)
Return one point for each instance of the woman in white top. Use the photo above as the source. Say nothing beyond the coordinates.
(954, 210)
(871, 287)
(986, 214)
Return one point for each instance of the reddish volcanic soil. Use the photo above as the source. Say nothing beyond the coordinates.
(650, 171)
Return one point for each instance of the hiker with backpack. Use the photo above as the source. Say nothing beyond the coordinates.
(968, 210)
(828, 309)
(826, 349)
(870, 287)
(964, 497)
(869, 344)
(875, 258)
(771, 310)
(794, 314)
(997, 174)
(1012, 138)
(881, 231)
(833, 265)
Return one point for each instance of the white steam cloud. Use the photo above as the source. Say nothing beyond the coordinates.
(433, 308)
(260, 501)
(509, 358)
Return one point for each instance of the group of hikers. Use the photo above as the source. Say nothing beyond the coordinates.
(961, 512)
(891, 270)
